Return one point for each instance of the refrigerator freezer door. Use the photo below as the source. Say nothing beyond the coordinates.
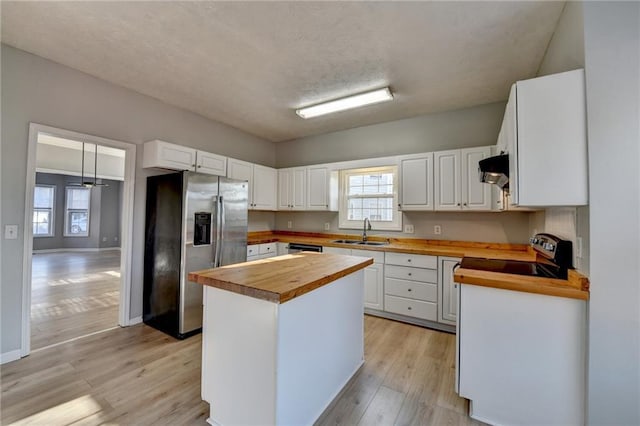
(234, 217)
(201, 194)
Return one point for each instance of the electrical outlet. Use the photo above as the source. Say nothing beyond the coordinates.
(104, 238)
(408, 229)
(578, 246)
(437, 229)
(289, 224)
(11, 232)
(327, 226)
(115, 238)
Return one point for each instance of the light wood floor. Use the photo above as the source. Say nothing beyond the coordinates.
(140, 376)
(73, 294)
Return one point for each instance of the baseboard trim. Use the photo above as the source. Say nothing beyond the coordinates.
(10, 356)
(89, 249)
(134, 321)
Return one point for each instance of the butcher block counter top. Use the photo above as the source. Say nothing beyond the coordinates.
(403, 245)
(282, 278)
(575, 287)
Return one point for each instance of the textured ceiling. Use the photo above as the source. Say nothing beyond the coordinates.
(250, 64)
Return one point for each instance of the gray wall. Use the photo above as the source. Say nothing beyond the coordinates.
(612, 53)
(104, 220)
(37, 90)
(507, 227)
(463, 128)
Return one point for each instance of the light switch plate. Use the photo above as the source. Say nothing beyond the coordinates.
(408, 229)
(327, 226)
(289, 224)
(437, 229)
(11, 232)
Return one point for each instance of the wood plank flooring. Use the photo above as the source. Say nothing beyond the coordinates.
(140, 376)
(73, 294)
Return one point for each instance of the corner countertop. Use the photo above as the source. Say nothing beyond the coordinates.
(282, 278)
(576, 286)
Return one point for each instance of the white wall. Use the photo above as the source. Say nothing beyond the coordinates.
(37, 90)
(469, 127)
(612, 53)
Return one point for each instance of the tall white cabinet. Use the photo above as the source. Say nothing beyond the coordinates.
(456, 183)
(263, 182)
(416, 182)
(318, 188)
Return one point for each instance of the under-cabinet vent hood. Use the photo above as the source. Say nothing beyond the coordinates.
(495, 170)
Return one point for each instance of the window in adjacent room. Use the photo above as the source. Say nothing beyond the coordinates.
(76, 212)
(370, 193)
(43, 207)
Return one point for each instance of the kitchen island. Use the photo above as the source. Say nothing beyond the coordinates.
(281, 336)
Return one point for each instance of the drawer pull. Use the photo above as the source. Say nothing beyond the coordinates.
(408, 260)
(409, 308)
(409, 290)
(409, 274)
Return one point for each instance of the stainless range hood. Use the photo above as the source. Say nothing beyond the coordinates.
(495, 170)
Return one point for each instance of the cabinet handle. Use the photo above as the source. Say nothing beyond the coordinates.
(465, 204)
(198, 166)
(409, 275)
(409, 308)
(455, 286)
(458, 204)
(408, 260)
(193, 165)
(409, 290)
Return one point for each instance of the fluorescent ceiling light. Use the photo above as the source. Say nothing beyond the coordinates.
(353, 101)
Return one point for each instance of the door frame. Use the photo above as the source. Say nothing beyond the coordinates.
(126, 238)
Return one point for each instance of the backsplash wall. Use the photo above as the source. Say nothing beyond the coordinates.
(505, 227)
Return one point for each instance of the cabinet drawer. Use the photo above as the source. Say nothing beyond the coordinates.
(411, 289)
(413, 274)
(415, 260)
(411, 307)
(253, 250)
(267, 248)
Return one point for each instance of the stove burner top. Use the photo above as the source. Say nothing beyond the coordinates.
(535, 269)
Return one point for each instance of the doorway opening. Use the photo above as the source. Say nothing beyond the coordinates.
(78, 244)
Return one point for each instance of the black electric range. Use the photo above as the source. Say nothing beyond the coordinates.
(554, 261)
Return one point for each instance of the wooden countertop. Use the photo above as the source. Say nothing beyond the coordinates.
(282, 278)
(575, 287)
(404, 245)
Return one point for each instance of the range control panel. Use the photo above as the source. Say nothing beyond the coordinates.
(553, 248)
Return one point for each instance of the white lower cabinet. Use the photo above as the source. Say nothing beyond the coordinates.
(448, 290)
(411, 290)
(261, 251)
(373, 275)
(282, 248)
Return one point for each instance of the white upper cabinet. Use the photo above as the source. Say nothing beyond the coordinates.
(211, 164)
(262, 180)
(456, 182)
(545, 121)
(416, 182)
(318, 188)
(166, 155)
(292, 188)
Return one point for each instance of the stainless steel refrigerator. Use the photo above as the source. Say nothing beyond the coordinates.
(193, 222)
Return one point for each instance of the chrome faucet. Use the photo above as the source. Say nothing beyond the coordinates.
(367, 226)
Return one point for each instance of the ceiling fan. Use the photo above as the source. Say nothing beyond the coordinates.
(88, 183)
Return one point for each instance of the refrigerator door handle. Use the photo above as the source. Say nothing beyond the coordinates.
(216, 252)
(221, 228)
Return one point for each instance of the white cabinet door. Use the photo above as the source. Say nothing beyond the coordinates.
(284, 189)
(241, 170)
(265, 187)
(282, 248)
(447, 180)
(211, 164)
(416, 182)
(298, 188)
(166, 155)
(448, 291)
(318, 188)
(510, 135)
(476, 195)
(373, 279)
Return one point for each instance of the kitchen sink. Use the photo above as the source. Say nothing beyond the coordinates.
(372, 243)
(347, 241)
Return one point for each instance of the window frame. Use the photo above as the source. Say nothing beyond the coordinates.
(376, 225)
(52, 211)
(67, 211)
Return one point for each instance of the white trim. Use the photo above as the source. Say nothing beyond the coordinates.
(136, 320)
(10, 356)
(70, 173)
(127, 222)
(88, 249)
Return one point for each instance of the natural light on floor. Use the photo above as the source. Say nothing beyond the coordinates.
(66, 413)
